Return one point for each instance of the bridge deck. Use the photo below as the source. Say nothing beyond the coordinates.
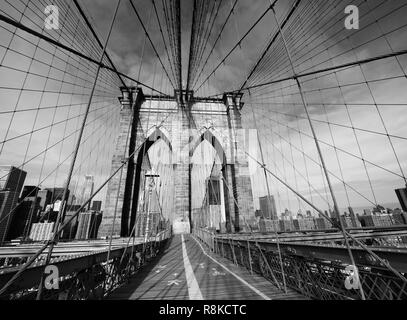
(186, 271)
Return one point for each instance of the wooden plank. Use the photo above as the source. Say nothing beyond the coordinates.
(164, 278)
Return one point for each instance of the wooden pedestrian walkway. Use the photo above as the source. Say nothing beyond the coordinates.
(185, 271)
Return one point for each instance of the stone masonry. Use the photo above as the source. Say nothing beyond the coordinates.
(182, 123)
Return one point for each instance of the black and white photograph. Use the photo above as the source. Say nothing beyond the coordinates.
(203, 155)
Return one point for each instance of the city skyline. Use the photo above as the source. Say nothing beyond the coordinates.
(203, 150)
(363, 115)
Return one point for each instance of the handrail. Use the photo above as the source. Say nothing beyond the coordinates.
(303, 260)
(73, 268)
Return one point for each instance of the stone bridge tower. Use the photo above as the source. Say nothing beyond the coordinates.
(182, 123)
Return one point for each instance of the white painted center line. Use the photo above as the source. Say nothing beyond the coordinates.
(193, 288)
(261, 294)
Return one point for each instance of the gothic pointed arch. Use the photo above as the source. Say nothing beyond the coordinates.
(213, 141)
(153, 138)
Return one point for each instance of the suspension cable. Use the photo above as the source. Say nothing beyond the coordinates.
(62, 212)
(336, 207)
(71, 50)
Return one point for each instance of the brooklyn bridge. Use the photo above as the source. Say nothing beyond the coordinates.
(203, 150)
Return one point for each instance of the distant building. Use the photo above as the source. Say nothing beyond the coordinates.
(384, 220)
(12, 179)
(41, 231)
(268, 207)
(287, 214)
(213, 188)
(29, 192)
(214, 213)
(268, 225)
(258, 214)
(88, 225)
(148, 220)
(27, 212)
(73, 208)
(321, 224)
(307, 224)
(350, 222)
(49, 214)
(97, 206)
(402, 196)
(379, 210)
(398, 218)
(147, 224)
(25, 215)
(87, 191)
(57, 194)
(253, 225)
(69, 232)
(11, 184)
(72, 199)
(8, 203)
(286, 225)
(45, 197)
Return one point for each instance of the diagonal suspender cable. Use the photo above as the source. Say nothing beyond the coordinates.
(178, 44)
(269, 204)
(236, 45)
(163, 39)
(192, 44)
(215, 43)
(336, 207)
(151, 41)
(62, 212)
(48, 243)
(85, 18)
(270, 43)
(118, 194)
(125, 152)
(334, 223)
(71, 50)
(319, 71)
(256, 242)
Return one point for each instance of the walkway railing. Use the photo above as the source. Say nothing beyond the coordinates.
(86, 276)
(307, 271)
(205, 236)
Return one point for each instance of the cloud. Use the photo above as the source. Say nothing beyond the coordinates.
(317, 40)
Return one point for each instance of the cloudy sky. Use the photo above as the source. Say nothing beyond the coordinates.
(278, 107)
(372, 98)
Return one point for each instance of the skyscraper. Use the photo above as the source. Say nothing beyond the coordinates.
(11, 183)
(148, 219)
(12, 178)
(97, 206)
(402, 196)
(56, 194)
(268, 207)
(25, 215)
(45, 198)
(88, 226)
(213, 188)
(87, 190)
